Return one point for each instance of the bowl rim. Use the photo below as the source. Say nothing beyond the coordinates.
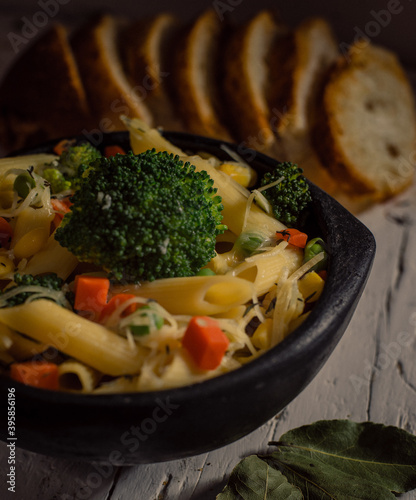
(313, 330)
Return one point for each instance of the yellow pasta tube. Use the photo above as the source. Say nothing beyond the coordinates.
(22, 348)
(196, 295)
(30, 219)
(76, 376)
(142, 138)
(234, 199)
(53, 258)
(31, 243)
(25, 161)
(18, 348)
(265, 269)
(78, 337)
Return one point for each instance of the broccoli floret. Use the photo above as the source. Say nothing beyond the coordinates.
(290, 196)
(56, 180)
(76, 159)
(48, 281)
(68, 170)
(143, 217)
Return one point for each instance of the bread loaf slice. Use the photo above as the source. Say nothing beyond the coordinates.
(42, 96)
(109, 91)
(246, 81)
(299, 64)
(148, 50)
(366, 134)
(197, 73)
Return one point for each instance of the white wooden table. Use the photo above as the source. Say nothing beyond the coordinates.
(371, 375)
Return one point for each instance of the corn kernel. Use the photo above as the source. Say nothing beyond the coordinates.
(261, 337)
(243, 175)
(6, 266)
(311, 286)
(31, 243)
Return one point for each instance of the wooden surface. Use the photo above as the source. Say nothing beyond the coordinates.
(371, 375)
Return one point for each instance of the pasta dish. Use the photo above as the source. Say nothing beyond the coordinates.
(70, 324)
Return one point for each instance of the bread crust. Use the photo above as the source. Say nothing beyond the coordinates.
(148, 48)
(109, 91)
(349, 121)
(369, 153)
(298, 67)
(42, 96)
(197, 71)
(246, 84)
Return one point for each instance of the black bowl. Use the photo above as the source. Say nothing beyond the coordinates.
(177, 423)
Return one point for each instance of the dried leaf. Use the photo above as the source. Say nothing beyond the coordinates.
(341, 459)
(254, 479)
(330, 460)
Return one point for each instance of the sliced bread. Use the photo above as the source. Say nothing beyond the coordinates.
(197, 73)
(42, 96)
(299, 65)
(148, 49)
(109, 91)
(246, 81)
(366, 134)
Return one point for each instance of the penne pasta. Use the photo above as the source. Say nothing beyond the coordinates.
(32, 218)
(266, 269)
(22, 348)
(76, 376)
(89, 342)
(31, 231)
(108, 336)
(26, 161)
(52, 259)
(234, 199)
(196, 295)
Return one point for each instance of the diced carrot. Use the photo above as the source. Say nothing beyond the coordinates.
(63, 205)
(91, 293)
(62, 146)
(116, 302)
(6, 233)
(113, 150)
(61, 208)
(40, 374)
(293, 237)
(205, 342)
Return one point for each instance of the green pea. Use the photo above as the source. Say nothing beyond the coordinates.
(206, 271)
(315, 247)
(248, 243)
(141, 330)
(23, 184)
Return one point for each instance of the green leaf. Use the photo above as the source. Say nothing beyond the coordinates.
(343, 460)
(254, 479)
